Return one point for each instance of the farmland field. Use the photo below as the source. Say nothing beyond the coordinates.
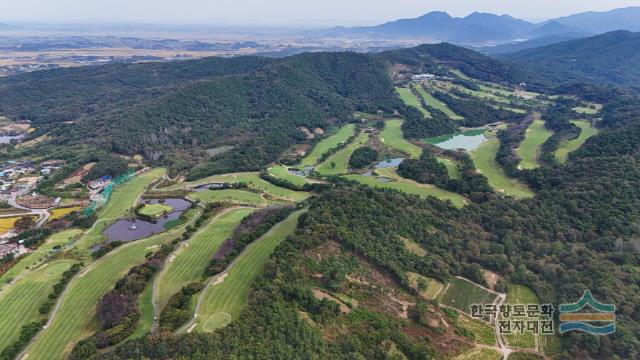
(62, 212)
(460, 294)
(484, 158)
(282, 172)
(36, 258)
(518, 294)
(433, 286)
(341, 158)
(567, 146)
(8, 223)
(480, 354)
(188, 263)
(328, 143)
(483, 333)
(19, 303)
(74, 318)
(408, 186)
(229, 195)
(125, 196)
(435, 103)
(529, 149)
(411, 99)
(224, 301)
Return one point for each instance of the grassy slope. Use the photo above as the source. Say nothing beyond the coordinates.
(192, 258)
(410, 99)
(74, 319)
(341, 158)
(529, 149)
(484, 158)
(281, 172)
(327, 144)
(230, 295)
(19, 304)
(566, 147)
(31, 260)
(409, 186)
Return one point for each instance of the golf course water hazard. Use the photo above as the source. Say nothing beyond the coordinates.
(468, 140)
(134, 229)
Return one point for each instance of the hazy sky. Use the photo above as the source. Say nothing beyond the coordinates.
(283, 12)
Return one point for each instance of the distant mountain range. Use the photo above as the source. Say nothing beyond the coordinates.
(612, 58)
(491, 29)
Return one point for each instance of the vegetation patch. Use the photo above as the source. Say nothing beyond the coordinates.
(428, 288)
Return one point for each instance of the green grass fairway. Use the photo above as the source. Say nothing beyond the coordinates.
(461, 294)
(154, 210)
(434, 287)
(411, 99)
(188, 263)
(19, 303)
(529, 149)
(145, 305)
(229, 195)
(392, 136)
(75, 317)
(480, 354)
(230, 295)
(254, 181)
(341, 158)
(217, 321)
(32, 260)
(451, 165)
(435, 103)
(484, 158)
(568, 146)
(483, 333)
(518, 294)
(125, 196)
(327, 144)
(282, 172)
(408, 186)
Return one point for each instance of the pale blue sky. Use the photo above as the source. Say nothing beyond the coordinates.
(281, 12)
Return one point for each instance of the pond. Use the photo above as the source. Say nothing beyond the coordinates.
(135, 229)
(468, 140)
(212, 186)
(389, 163)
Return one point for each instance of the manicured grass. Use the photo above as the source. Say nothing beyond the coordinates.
(19, 303)
(75, 317)
(31, 261)
(591, 109)
(480, 354)
(409, 186)
(461, 294)
(484, 158)
(125, 196)
(451, 165)
(567, 146)
(154, 209)
(229, 195)
(230, 295)
(518, 294)
(145, 305)
(188, 263)
(393, 137)
(411, 99)
(460, 74)
(282, 172)
(328, 143)
(529, 149)
(254, 181)
(341, 158)
(483, 333)
(434, 287)
(59, 213)
(435, 103)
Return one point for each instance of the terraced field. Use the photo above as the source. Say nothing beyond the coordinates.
(411, 99)
(461, 294)
(484, 157)
(388, 179)
(19, 303)
(518, 294)
(36, 258)
(567, 146)
(223, 302)
(74, 318)
(480, 354)
(341, 158)
(435, 103)
(529, 149)
(188, 263)
(327, 144)
(282, 172)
